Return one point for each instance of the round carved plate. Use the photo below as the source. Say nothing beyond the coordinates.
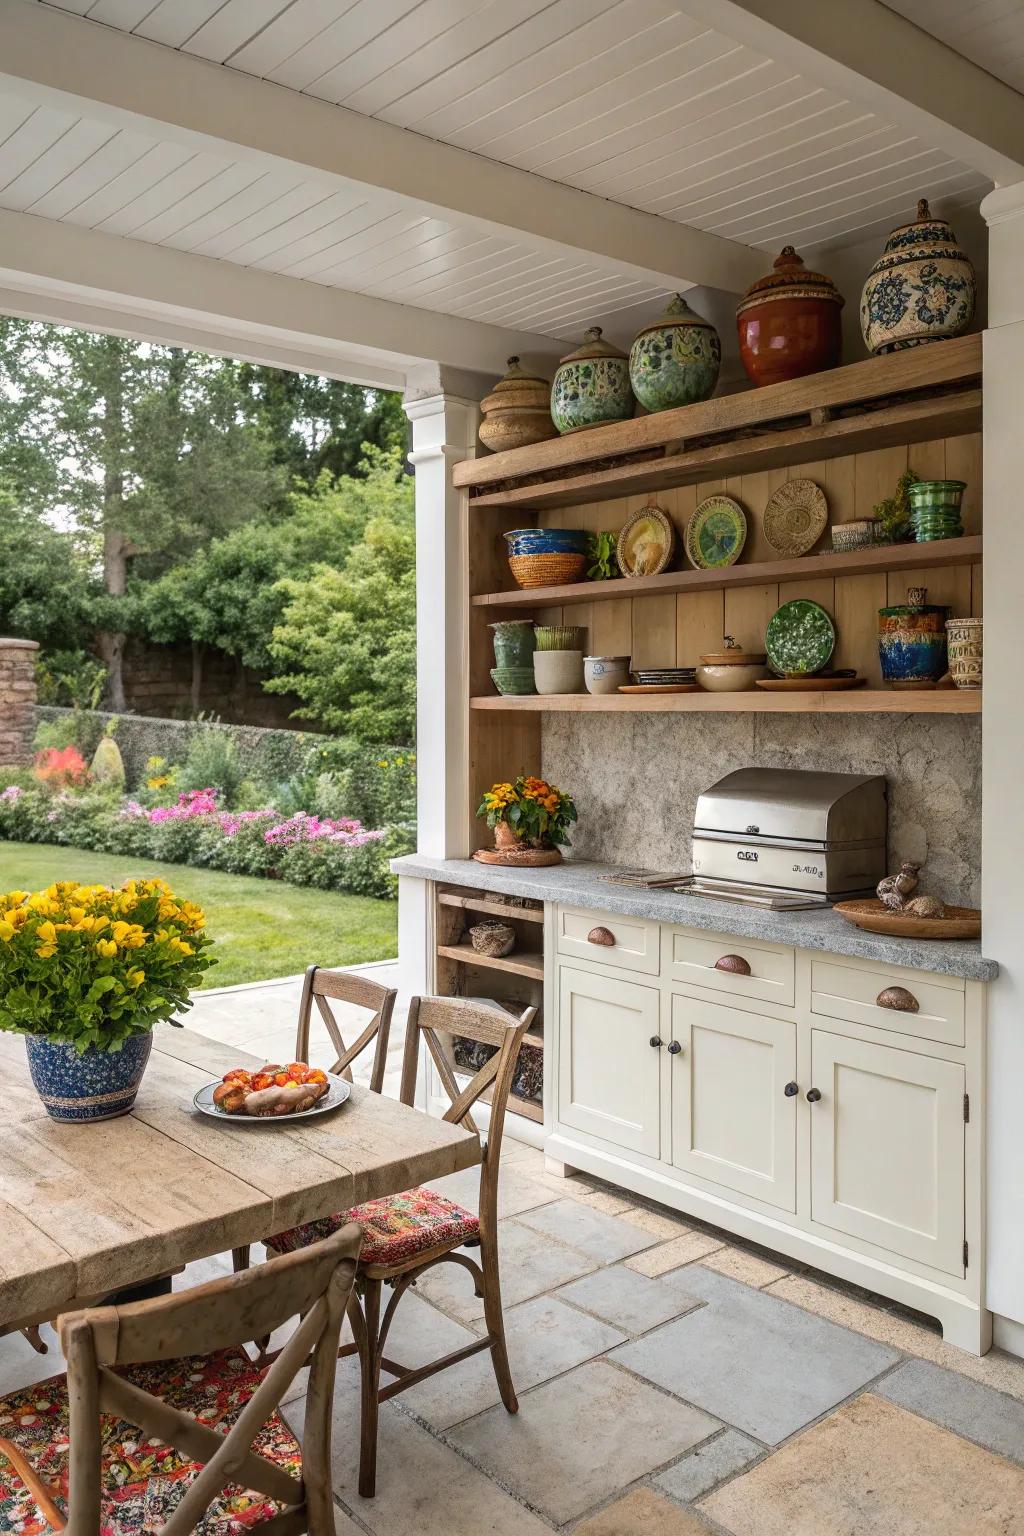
(646, 542)
(716, 533)
(795, 517)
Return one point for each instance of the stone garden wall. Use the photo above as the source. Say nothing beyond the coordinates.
(17, 701)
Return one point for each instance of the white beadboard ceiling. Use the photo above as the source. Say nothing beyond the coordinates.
(988, 32)
(626, 99)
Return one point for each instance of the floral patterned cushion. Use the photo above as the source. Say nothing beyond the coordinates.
(143, 1479)
(395, 1229)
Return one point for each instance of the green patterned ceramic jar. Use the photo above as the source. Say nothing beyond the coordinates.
(591, 385)
(676, 360)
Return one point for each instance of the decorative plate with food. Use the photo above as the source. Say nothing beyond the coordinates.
(273, 1093)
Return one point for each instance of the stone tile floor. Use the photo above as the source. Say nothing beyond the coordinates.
(672, 1382)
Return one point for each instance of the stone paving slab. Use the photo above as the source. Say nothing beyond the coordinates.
(629, 1301)
(518, 1190)
(873, 1469)
(643, 1513)
(685, 1249)
(579, 1439)
(708, 1465)
(760, 1365)
(977, 1412)
(530, 1265)
(602, 1237)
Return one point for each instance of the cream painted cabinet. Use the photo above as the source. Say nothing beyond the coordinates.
(733, 1121)
(887, 1148)
(609, 1072)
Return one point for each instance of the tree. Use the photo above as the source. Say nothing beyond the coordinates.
(319, 426)
(47, 589)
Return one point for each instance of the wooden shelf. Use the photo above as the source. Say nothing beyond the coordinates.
(854, 701)
(492, 905)
(522, 963)
(912, 396)
(529, 1108)
(857, 562)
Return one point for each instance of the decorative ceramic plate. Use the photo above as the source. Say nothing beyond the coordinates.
(795, 517)
(800, 638)
(959, 922)
(716, 533)
(646, 542)
(336, 1094)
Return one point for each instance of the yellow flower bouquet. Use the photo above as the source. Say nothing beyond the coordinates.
(85, 973)
(536, 813)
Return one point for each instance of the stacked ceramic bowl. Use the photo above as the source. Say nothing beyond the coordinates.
(935, 509)
(547, 557)
(558, 659)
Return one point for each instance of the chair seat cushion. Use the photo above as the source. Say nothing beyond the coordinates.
(395, 1228)
(143, 1479)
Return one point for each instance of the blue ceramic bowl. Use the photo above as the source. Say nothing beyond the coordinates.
(96, 1085)
(548, 541)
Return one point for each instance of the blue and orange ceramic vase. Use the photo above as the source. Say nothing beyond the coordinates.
(912, 641)
(921, 288)
(591, 385)
(675, 360)
(93, 1085)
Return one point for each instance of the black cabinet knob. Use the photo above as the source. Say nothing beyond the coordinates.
(813, 1095)
(656, 1040)
(674, 1048)
(791, 1089)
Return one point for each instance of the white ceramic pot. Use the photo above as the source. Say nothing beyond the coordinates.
(558, 671)
(733, 678)
(604, 674)
(965, 651)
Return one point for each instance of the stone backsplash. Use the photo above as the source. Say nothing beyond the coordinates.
(636, 778)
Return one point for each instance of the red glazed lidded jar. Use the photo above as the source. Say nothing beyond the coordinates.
(789, 322)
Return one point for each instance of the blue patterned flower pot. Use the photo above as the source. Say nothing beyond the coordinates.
(96, 1085)
(921, 288)
(676, 360)
(912, 642)
(591, 386)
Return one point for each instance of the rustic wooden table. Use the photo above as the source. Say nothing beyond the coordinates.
(89, 1209)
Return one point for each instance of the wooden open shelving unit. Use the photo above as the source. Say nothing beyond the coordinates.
(861, 701)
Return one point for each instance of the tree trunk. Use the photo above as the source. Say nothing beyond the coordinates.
(115, 561)
(196, 691)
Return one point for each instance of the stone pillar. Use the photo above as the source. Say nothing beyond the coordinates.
(1002, 755)
(17, 701)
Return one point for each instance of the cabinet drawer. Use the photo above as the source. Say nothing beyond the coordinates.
(634, 944)
(766, 972)
(851, 992)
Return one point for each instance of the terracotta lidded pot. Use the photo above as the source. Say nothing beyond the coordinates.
(675, 360)
(517, 412)
(789, 322)
(921, 288)
(591, 385)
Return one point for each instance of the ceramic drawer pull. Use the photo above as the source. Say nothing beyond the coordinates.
(898, 999)
(734, 964)
(601, 936)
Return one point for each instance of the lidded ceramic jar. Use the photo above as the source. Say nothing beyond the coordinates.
(912, 641)
(789, 322)
(921, 288)
(675, 360)
(517, 412)
(591, 385)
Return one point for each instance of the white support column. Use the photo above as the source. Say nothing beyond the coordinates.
(1003, 759)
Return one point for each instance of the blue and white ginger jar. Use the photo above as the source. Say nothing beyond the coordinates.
(921, 288)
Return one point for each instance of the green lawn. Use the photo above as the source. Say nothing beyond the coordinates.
(262, 928)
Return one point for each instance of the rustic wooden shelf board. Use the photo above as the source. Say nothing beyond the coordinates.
(492, 905)
(523, 963)
(857, 562)
(938, 701)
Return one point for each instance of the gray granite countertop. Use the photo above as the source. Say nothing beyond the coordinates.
(579, 884)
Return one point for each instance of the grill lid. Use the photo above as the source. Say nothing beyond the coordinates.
(795, 805)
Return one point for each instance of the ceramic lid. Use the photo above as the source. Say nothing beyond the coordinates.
(915, 603)
(790, 279)
(594, 345)
(516, 388)
(677, 313)
(733, 656)
(926, 226)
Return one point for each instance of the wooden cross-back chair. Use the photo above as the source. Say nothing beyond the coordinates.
(212, 1321)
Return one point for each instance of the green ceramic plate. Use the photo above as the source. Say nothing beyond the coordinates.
(800, 638)
(716, 533)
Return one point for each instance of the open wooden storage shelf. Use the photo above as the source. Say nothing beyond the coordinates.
(493, 905)
(858, 562)
(522, 962)
(924, 393)
(528, 1108)
(856, 701)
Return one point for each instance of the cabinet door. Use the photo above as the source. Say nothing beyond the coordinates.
(732, 1120)
(608, 1072)
(887, 1148)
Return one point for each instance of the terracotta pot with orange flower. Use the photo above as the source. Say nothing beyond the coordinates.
(530, 819)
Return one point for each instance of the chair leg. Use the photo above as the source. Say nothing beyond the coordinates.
(36, 1339)
(368, 1339)
(495, 1320)
(240, 1258)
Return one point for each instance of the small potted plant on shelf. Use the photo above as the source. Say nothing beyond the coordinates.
(85, 973)
(530, 819)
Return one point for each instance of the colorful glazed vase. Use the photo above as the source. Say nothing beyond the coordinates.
(675, 360)
(790, 323)
(517, 412)
(515, 641)
(912, 641)
(935, 509)
(921, 288)
(91, 1085)
(591, 385)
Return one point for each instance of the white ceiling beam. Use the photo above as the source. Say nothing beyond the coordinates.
(875, 56)
(124, 79)
(50, 270)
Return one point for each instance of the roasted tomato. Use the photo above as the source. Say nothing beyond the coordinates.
(315, 1075)
(262, 1080)
(297, 1070)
